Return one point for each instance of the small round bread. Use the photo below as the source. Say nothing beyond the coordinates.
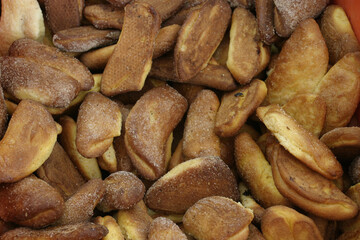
(218, 218)
(30, 202)
(123, 191)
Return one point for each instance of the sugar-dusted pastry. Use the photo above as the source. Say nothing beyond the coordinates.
(218, 218)
(123, 191)
(98, 122)
(85, 230)
(338, 33)
(79, 207)
(30, 202)
(199, 132)
(60, 172)
(148, 128)
(299, 142)
(164, 229)
(131, 60)
(189, 182)
(28, 141)
(290, 13)
(199, 37)
(249, 202)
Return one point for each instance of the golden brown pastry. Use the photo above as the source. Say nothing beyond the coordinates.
(353, 224)
(60, 172)
(340, 88)
(20, 19)
(84, 38)
(244, 53)
(88, 231)
(104, 16)
(63, 14)
(280, 222)
(309, 110)
(213, 75)
(199, 134)
(296, 70)
(123, 191)
(290, 13)
(255, 171)
(237, 106)
(30, 202)
(130, 62)
(135, 222)
(218, 218)
(165, 8)
(189, 182)
(338, 33)
(344, 142)
(199, 38)
(299, 142)
(28, 141)
(107, 161)
(308, 189)
(112, 226)
(249, 202)
(265, 20)
(88, 167)
(146, 137)
(79, 207)
(165, 40)
(98, 122)
(164, 229)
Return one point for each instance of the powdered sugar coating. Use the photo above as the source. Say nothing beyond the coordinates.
(123, 191)
(149, 125)
(199, 135)
(27, 199)
(80, 206)
(164, 229)
(295, 11)
(191, 181)
(99, 121)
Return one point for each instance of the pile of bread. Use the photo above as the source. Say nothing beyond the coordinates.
(178, 119)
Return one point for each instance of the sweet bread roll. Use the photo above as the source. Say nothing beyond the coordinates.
(164, 229)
